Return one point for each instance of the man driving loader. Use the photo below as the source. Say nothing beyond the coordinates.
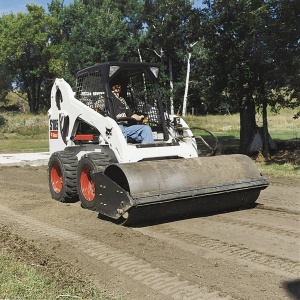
(140, 133)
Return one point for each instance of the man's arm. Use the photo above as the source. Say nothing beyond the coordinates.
(138, 117)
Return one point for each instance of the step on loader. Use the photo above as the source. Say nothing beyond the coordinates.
(126, 179)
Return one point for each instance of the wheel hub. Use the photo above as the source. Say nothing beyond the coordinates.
(87, 184)
(56, 178)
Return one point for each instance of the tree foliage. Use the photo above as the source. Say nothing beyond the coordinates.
(170, 29)
(5, 82)
(251, 52)
(244, 54)
(27, 52)
(92, 32)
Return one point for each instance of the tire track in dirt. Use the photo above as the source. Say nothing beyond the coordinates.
(288, 182)
(276, 197)
(137, 269)
(258, 226)
(278, 200)
(277, 209)
(269, 211)
(231, 250)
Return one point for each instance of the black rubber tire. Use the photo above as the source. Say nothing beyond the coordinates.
(62, 168)
(87, 165)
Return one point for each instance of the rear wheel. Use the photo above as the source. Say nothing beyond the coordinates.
(87, 165)
(62, 169)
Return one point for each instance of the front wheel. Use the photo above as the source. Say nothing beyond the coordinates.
(62, 169)
(88, 164)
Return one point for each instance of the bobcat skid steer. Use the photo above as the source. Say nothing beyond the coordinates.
(127, 181)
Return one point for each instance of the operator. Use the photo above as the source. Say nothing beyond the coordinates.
(141, 133)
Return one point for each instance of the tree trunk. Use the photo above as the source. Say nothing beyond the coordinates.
(184, 105)
(30, 101)
(265, 137)
(33, 94)
(171, 87)
(248, 125)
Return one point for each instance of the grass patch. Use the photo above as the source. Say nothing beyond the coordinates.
(20, 132)
(285, 135)
(276, 170)
(20, 280)
(215, 123)
(23, 123)
(13, 143)
(282, 127)
(28, 273)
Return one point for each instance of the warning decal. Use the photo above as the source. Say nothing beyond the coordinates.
(53, 134)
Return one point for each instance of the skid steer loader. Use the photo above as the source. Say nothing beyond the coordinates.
(128, 181)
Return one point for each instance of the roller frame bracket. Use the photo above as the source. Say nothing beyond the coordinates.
(111, 200)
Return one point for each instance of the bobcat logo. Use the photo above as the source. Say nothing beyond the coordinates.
(108, 132)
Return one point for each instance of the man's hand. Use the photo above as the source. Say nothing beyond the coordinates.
(145, 120)
(137, 117)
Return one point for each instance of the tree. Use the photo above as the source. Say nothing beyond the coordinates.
(167, 36)
(5, 83)
(283, 33)
(249, 55)
(91, 32)
(152, 31)
(184, 105)
(28, 55)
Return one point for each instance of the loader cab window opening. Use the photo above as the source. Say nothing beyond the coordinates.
(143, 98)
(90, 91)
(113, 70)
(141, 95)
(64, 127)
(58, 98)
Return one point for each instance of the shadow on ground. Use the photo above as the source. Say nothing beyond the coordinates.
(293, 288)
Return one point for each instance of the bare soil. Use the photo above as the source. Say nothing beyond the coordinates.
(245, 254)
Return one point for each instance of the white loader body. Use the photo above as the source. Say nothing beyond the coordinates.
(111, 139)
(129, 181)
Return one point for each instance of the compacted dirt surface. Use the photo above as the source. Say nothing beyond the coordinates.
(245, 254)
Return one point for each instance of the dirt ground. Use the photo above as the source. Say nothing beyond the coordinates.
(246, 254)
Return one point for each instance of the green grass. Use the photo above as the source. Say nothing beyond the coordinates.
(20, 132)
(19, 280)
(28, 273)
(285, 135)
(276, 170)
(23, 123)
(19, 143)
(283, 128)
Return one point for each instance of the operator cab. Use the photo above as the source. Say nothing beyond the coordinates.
(139, 88)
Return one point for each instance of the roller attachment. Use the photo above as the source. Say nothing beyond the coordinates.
(177, 187)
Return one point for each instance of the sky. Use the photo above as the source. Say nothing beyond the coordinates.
(14, 6)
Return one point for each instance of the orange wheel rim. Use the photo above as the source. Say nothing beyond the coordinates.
(56, 178)
(87, 184)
